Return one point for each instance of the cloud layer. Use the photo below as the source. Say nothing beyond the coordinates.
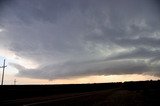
(83, 37)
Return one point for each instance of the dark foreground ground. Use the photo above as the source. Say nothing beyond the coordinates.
(142, 93)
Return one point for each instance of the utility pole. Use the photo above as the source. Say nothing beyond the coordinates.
(15, 81)
(3, 71)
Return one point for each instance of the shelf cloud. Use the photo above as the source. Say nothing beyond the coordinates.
(82, 37)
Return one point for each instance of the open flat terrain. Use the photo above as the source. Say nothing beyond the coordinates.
(146, 93)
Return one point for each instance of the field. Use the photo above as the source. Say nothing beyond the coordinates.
(142, 93)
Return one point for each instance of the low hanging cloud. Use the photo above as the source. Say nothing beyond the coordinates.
(83, 37)
(71, 70)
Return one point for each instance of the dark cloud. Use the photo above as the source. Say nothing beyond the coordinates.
(139, 53)
(83, 37)
(140, 42)
(4, 2)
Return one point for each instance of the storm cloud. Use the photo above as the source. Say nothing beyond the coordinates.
(83, 37)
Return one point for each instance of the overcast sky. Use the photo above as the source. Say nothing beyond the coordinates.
(78, 38)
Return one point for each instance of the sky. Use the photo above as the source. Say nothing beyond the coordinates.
(79, 41)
